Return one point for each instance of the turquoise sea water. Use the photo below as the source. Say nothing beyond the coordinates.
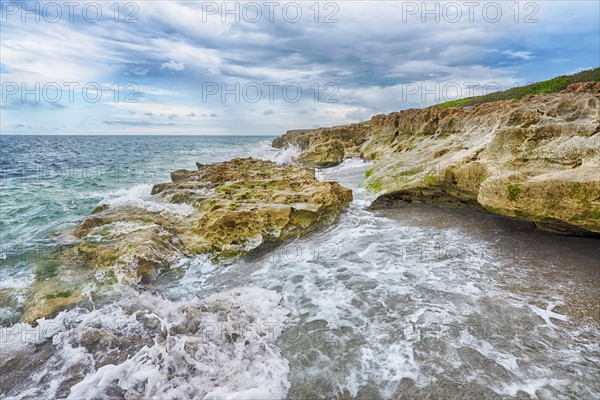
(49, 183)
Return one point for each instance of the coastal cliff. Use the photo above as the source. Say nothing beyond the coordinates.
(536, 159)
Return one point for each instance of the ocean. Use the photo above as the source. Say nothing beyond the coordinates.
(421, 302)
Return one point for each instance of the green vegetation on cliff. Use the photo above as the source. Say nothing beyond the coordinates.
(550, 86)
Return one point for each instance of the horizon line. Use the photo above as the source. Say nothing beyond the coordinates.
(133, 134)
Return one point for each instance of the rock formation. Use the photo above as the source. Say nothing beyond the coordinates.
(325, 147)
(535, 159)
(235, 207)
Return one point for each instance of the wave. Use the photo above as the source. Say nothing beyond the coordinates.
(139, 196)
(145, 346)
(265, 151)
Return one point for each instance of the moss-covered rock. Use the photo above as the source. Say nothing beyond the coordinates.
(251, 203)
(236, 207)
(323, 155)
(537, 159)
(47, 296)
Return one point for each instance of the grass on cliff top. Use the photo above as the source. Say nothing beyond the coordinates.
(550, 86)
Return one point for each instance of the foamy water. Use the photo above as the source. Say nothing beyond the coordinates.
(419, 302)
(220, 347)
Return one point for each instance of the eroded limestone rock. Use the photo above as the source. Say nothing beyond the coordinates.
(537, 159)
(325, 147)
(235, 207)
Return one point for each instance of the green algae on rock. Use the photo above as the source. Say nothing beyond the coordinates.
(536, 159)
(245, 203)
(233, 208)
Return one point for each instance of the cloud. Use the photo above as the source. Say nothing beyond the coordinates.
(157, 91)
(19, 105)
(359, 114)
(172, 65)
(523, 55)
(138, 123)
(160, 106)
(369, 63)
(139, 71)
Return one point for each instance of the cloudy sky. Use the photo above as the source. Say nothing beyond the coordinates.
(260, 68)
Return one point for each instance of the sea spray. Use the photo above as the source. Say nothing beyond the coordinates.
(142, 345)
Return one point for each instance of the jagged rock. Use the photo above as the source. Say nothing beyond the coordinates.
(253, 202)
(236, 207)
(239, 205)
(584, 87)
(322, 155)
(537, 159)
(131, 241)
(100, 208)
(46, 297)
(180, 175)
(324, 147)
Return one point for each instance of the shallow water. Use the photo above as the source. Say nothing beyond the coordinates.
(417, 302)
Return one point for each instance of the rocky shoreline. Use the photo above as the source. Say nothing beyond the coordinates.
(231, 209)
(535, 159)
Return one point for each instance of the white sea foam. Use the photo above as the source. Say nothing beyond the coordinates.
(139, 196)
(404, 301)
(376, 299)
(19, 279)
(286, 156)
(265, 151)
(222, 346)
